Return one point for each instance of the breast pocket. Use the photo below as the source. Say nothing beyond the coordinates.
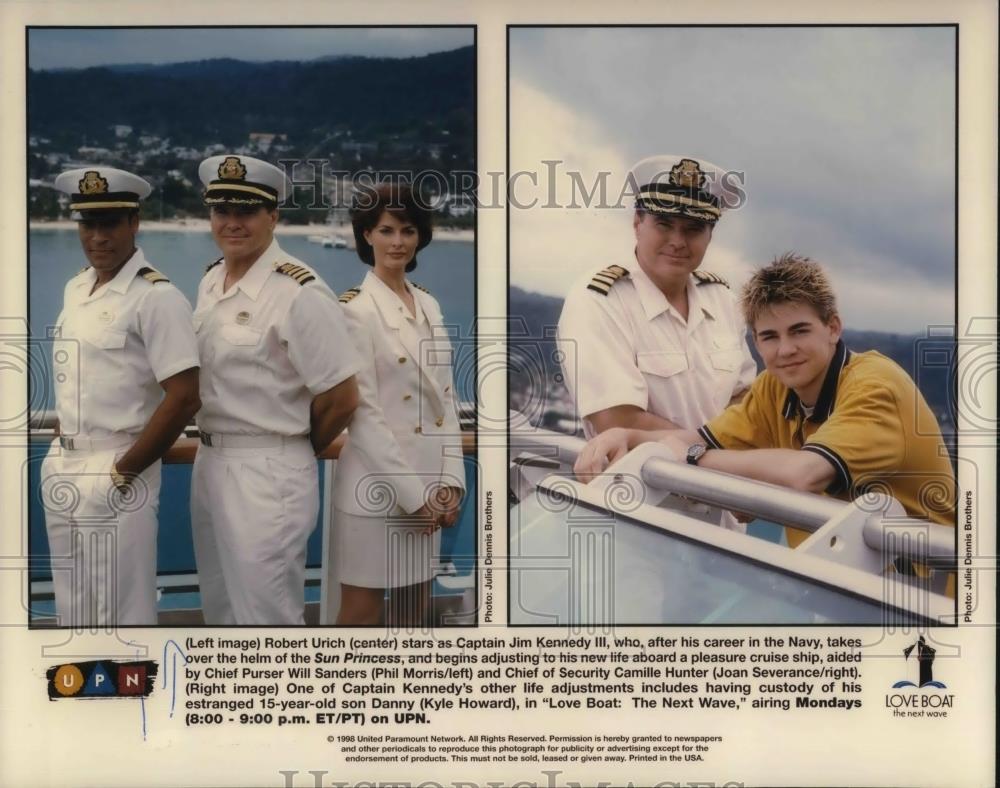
(105, 338)
(239, 351)
(661, 364)
(241, 336)
(726, 354)
(104, 365)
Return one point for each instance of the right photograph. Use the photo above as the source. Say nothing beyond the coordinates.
(732, 313)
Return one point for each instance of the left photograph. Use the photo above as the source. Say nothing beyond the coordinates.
(251, 292)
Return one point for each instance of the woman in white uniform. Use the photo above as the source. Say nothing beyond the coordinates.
(400, 478)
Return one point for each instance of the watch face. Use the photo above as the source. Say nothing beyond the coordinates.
(695, 453)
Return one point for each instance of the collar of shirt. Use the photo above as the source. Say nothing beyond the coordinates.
(253, 280)
(390, 304)
(827, 394)
(654, 303)
(120, 284)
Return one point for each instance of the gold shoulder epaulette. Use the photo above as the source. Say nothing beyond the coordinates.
(151, 275)
(421, 287)
(347, 295)
(603, 281)
(85, 268)
(297, 272)
(708, 278)
(210, 266)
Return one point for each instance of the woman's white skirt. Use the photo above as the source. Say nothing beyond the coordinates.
(383, 552)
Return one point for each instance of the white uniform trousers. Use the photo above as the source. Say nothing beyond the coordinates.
(252, 510)
(102, 543)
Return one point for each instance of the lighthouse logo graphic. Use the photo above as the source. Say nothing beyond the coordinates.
(925, 661)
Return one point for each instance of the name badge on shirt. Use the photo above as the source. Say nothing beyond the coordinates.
(243, 318)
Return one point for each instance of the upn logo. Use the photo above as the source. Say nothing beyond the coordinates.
(101, 679)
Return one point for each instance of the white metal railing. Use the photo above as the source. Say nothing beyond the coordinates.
(801, 510)
(43, 421)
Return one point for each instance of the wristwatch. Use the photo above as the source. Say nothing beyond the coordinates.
(695, 453)
(120, 480)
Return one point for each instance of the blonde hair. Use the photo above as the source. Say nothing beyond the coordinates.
(789, 278)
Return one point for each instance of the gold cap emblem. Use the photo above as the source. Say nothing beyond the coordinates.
(93, 183)
(688, 174)
(232, 169)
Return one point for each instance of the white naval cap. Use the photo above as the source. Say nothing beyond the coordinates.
(99, 188)
(681, 185)
(242, 180)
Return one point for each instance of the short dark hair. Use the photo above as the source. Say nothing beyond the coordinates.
(396, 198)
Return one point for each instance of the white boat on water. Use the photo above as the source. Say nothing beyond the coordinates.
(328, 241)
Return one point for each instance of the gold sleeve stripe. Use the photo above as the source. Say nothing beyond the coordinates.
(604, 280)
(296, 272)
(152, 275)
(708, 278)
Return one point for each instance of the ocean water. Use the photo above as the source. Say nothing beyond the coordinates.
(446, 268)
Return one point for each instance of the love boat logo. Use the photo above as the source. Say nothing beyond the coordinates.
(925, 659)
(923, 698)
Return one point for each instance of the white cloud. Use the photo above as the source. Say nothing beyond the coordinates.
(846, 136)
(552, 246)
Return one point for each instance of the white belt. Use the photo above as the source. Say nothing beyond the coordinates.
(95, 444)
(220, 441)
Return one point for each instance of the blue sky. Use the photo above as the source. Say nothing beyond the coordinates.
(845, 135)
(81, 48)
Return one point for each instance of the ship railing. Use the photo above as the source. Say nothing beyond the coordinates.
(870, 533)
(43, 423)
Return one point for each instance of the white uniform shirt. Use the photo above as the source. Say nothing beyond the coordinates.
(113, 347)
(631, 347)
(268, 346)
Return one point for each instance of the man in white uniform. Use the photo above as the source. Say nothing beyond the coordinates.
(277, 386)
(658, 343)
(122, 397)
